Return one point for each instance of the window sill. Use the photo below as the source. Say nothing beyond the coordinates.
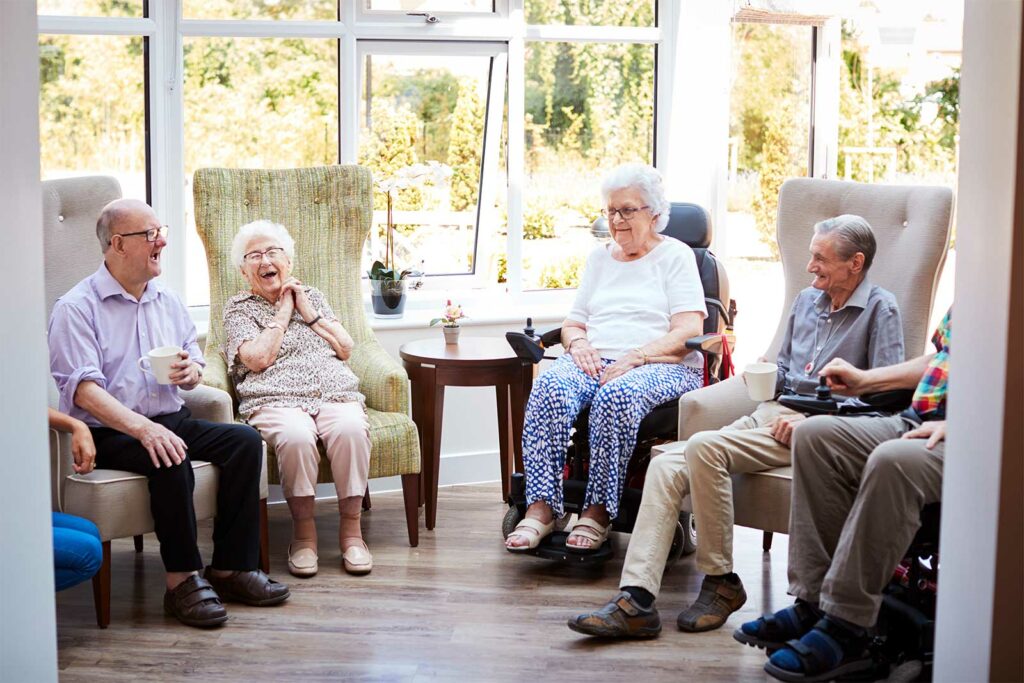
(482, 307)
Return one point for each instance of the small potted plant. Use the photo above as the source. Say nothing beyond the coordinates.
(450, 322)
(387, 283)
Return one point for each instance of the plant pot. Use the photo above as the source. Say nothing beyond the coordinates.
(387, 298)
(451, 334)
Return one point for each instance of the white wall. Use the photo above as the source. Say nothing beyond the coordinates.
(27, 632)
(970, 509)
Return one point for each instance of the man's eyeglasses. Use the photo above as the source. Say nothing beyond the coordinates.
(272, 253)
(626, 213)
(151, 235)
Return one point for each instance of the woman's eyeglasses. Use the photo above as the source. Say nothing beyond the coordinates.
(626, 213)
(272, 253)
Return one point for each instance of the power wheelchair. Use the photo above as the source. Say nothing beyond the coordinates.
(903, 644)
(690, 224)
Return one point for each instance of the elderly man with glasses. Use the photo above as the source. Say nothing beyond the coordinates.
(98, 332)
(841, 315)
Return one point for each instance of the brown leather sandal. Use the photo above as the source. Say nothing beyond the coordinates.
(251, 588)
(194, 602)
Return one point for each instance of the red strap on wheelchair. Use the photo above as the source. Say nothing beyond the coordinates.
(727, 368)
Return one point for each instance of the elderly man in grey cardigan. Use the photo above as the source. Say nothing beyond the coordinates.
(841, 315)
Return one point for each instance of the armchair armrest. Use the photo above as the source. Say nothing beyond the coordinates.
(215, 374)
(713, 407)
(382, 379)
(209, 403)
(60, 466)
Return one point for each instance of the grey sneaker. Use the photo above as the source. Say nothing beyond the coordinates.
(620, 618)
(717, 600)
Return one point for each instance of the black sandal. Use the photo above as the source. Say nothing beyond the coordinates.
(772, 631)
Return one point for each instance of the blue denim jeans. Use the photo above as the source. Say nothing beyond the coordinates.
(77, 551)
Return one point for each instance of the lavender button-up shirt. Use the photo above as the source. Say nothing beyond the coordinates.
(98, 332)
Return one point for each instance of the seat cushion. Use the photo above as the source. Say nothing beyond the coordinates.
(761, 499)
(394, 449)
(118, 502)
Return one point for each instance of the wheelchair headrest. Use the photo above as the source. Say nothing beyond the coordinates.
(689, 223)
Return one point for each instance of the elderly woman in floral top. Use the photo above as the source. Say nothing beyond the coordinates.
(286, 352)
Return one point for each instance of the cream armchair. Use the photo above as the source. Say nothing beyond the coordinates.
(912, 227)
(117, 502)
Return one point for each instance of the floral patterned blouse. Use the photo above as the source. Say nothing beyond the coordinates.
(306, 373)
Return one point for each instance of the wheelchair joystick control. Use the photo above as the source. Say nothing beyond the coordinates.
(528, 330)
(823, 391)
(821, 403)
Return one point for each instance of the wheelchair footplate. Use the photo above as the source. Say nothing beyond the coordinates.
(553, 548)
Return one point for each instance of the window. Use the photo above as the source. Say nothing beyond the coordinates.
(591, 12)
(91, 8)
(769, 128)
(428, 103)
(589, 107)
(92, 109)
(900, 97)
(447, 6)
(255, 103)
(284, 83)
(309, 10)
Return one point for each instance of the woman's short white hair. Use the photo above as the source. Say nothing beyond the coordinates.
(262, 228)
(648, 181)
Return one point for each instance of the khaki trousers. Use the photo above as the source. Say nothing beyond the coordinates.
(858, 490)
(704, 472)
(345, 432)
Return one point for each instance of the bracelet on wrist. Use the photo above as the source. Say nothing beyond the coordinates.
(643, 355)
(573, 341)
(315, 320)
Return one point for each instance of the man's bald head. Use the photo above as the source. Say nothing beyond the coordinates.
(119, 216)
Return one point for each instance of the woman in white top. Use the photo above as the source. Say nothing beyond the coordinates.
(640, 300)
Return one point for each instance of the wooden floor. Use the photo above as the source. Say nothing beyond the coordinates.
(458, 607)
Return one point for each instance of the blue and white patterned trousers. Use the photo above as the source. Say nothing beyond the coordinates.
(616, 411)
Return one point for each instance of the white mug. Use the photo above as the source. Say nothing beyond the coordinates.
(160, 360)
(760, 379)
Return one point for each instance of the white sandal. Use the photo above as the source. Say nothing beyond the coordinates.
(590, 530)
(538, 532)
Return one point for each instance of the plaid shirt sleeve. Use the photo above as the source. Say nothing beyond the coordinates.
(930, 396)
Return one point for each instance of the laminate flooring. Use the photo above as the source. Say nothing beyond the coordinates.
(457, 608)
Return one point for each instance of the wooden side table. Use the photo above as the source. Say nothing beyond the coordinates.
(473, 362)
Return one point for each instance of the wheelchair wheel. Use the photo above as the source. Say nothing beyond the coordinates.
(689, 524)
(509, 522)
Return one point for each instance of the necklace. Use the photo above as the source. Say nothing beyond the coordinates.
(817, 349)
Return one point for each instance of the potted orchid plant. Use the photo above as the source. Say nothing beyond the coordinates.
(449, 320)
(387, 283)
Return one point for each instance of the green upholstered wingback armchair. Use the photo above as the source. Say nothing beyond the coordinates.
(328, 211)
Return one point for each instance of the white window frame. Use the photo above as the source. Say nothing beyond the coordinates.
(166, 30)
(368, 16)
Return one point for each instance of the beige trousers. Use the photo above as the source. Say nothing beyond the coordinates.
(345, 433)
(858, 490)
(704, 472)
